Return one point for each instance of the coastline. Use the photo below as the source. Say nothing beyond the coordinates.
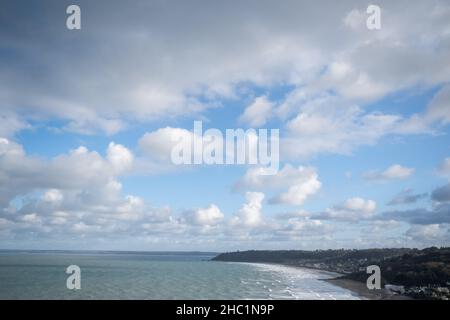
(361, 290)
(358, 288)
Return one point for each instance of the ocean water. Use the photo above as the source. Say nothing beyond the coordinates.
(106, 275)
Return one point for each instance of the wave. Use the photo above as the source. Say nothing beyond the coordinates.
(287, 282)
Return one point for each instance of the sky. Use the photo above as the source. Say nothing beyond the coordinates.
(88, 119)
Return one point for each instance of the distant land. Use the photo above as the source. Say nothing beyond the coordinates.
(152, 253)
(417, 273)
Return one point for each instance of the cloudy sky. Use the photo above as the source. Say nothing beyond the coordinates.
(87, 119)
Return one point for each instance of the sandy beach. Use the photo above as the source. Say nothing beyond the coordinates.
(361, 289)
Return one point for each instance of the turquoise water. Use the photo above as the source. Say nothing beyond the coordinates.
(41, 275)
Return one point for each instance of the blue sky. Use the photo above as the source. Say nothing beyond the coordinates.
(88, 116)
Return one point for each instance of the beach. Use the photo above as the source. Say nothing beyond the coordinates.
(361, 290)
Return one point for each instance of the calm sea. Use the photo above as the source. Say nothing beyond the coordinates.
(163, 275)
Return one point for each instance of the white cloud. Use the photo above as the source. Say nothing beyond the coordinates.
(352, 83)
(257, 113)
(303, 228)
(10, 148)
(151, 72)
(320, 122)
(304, 224)
(327, 123)
(432, 119)
(120, 157)
(53, 196)
(80, 178)
(380, 226)
(91, 125)
(359, 204)
(208, 216)
(301, 183)
(11, 123)
(250, 214)
(353, 209)
(424, 233)
(395, 171)
(290, 215)
(298, 193)
(131, 208)
(158, 145)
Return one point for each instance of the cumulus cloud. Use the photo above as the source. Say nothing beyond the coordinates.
(159, 144)
(250, 214)
(257, 113)
(166, 148)
(17, 171)
(353, 209)
(79, 180)
(120, 157)
(298, 192)
(395, 171)
(207, 216)
(78, 195)
(301, 183)
(359, 204)
(147, 68)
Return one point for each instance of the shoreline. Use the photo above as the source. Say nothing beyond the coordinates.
(359, 289)
(356, 287)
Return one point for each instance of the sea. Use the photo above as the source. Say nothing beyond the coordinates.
(157, 275)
